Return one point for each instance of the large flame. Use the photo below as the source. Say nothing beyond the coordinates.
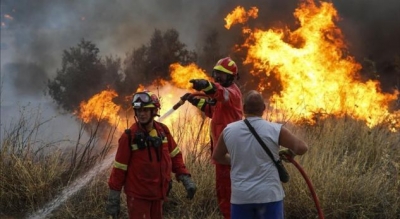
(102, 107)
(316, 74)
(181, 75)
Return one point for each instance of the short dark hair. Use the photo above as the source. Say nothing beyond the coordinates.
(253, 103)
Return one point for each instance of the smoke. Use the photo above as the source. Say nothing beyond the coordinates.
(28, 78)
(40, 30)
(372, 27)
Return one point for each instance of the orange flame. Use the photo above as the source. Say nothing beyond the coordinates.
(140, 88)
(239, 15)
(181, 75)
(100, 107)
(315, 73)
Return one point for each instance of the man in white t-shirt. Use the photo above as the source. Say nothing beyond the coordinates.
(257, 191)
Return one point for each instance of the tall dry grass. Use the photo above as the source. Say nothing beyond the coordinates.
(354, 170)
(33, 170)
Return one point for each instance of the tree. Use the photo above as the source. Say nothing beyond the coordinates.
(82, 75)
(152, 61)
(136, 64)
(113, 72)
(210, 53)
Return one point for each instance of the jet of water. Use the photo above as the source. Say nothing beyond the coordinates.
(166, 115)
(74, 187)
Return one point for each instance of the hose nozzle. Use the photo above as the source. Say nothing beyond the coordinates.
(178, 104)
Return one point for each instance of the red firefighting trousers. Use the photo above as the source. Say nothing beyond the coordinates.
(140, 208)
(223, 187)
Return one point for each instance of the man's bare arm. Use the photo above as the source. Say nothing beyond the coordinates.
(295, 144)
(220, 153)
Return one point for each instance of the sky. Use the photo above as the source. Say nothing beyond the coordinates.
(35, 33)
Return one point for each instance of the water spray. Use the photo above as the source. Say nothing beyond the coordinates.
(74, 187)
(178, 104)
(169, 112)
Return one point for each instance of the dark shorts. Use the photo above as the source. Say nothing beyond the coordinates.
(271, 210)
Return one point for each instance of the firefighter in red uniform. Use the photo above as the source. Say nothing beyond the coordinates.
(146, 156)
(225, 108)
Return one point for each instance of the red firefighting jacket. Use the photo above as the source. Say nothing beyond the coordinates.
(228, 109)
(145, 173)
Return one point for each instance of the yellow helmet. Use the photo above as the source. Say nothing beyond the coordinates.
(145, 99)
(227, 65)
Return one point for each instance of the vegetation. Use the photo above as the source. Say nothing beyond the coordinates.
(34, 170)
(152, 61)
(85, 73)
(354, 170)
(82, 75)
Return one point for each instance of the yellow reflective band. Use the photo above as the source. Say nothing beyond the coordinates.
(165, 140)
(149, 106)
(174, 152)
(120, 166)
(209, 87)
(153, 133)
(134, 147)
(221, 68)
(201, 103)
(226, 95)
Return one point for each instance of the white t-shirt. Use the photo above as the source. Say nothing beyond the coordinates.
(254, 176)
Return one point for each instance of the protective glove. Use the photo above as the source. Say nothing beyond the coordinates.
(190, 98)
(283, 153)
(113, 203)
(189, 185)
(199, 84)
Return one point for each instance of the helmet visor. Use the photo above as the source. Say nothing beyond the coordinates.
(145, 99)
(142, 97)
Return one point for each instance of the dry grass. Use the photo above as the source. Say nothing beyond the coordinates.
(34, 171)
(354, 170)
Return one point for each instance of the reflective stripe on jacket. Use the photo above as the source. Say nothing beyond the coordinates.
(227, 109)
(139, 171)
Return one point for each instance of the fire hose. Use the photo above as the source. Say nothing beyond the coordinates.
(180, 103)
(289, 158)
(309, 184)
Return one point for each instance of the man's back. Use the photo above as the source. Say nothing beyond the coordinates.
(254, 175)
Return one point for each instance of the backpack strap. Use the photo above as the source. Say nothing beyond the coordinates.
(164, 129)
(128, 132)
